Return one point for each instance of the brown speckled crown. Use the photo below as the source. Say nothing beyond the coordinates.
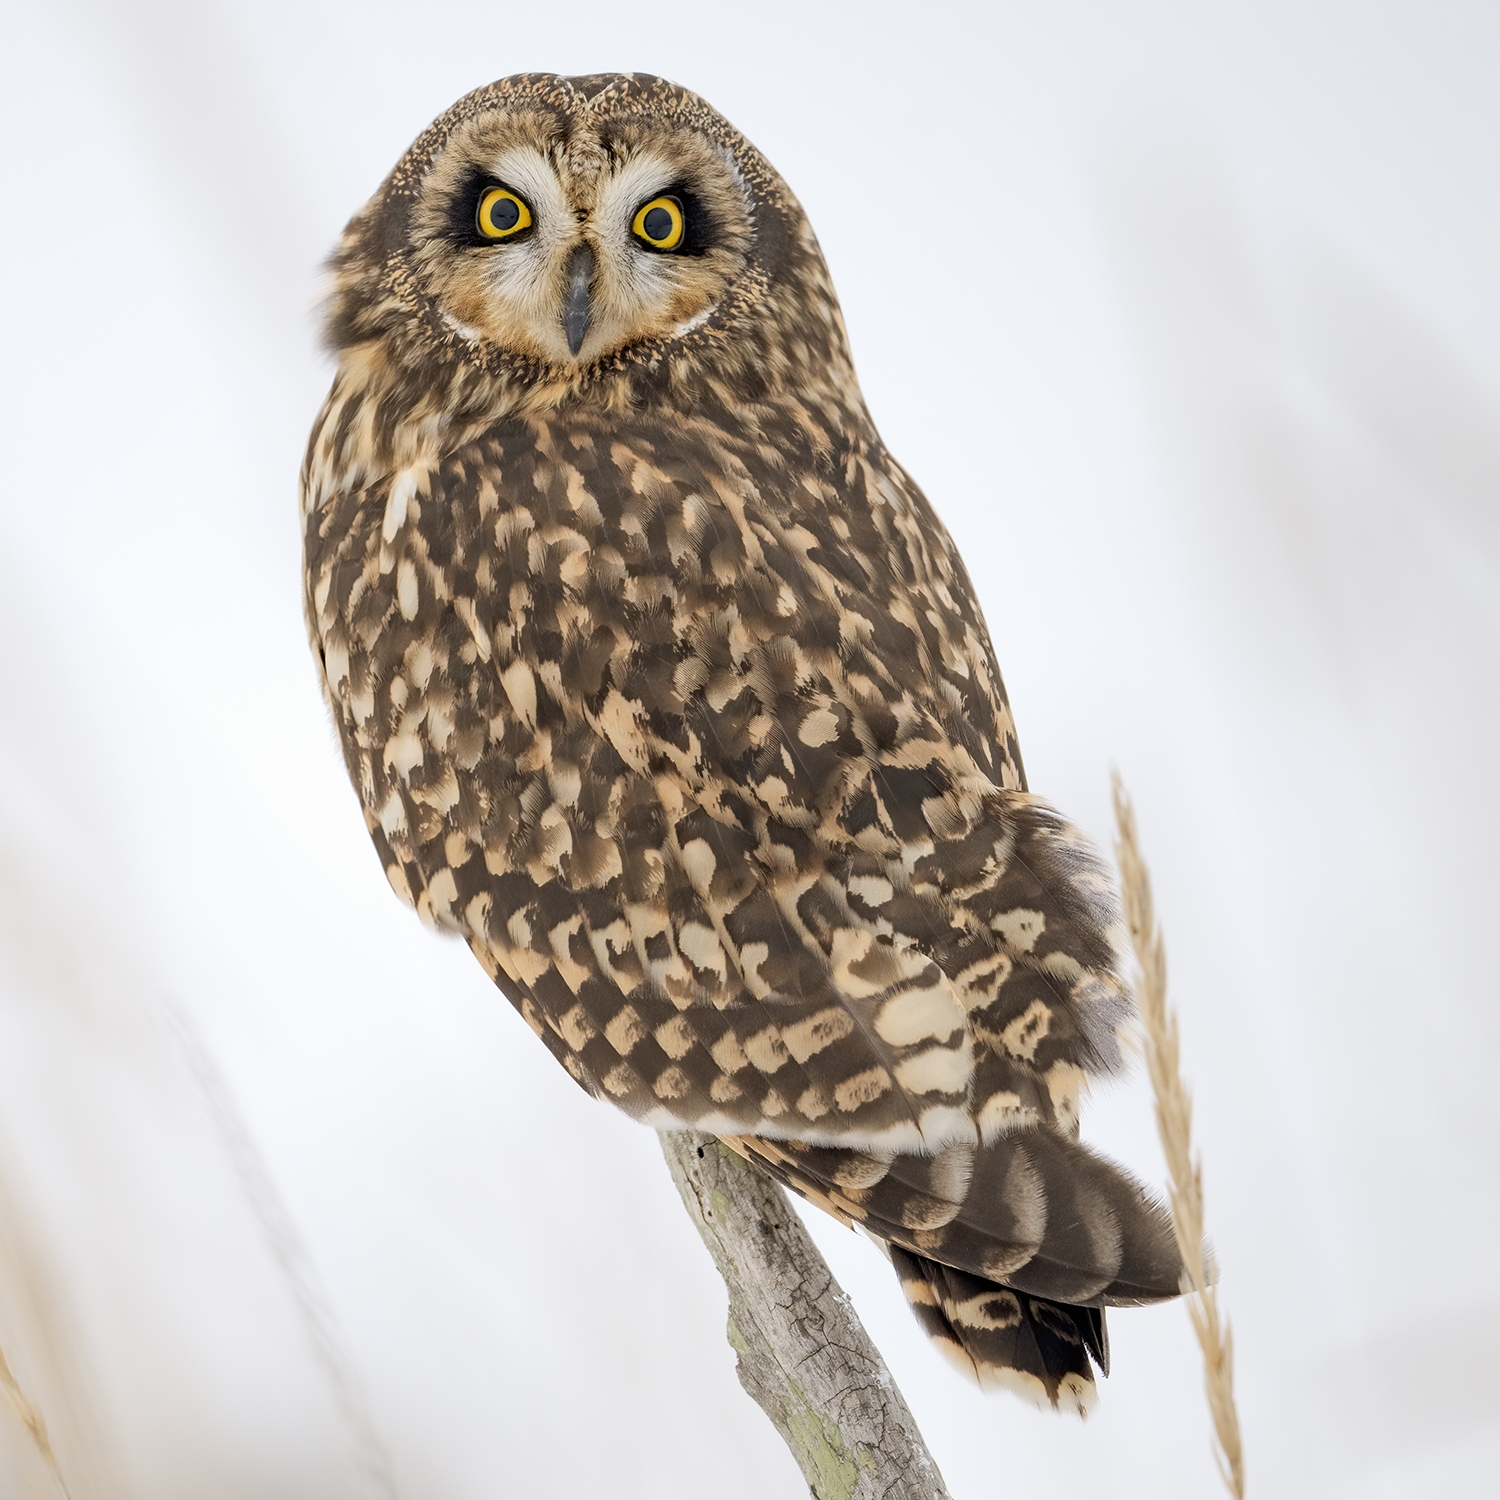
(663, 685)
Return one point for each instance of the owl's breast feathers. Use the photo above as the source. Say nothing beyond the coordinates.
(703, 748)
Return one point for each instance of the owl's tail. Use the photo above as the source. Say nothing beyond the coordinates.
(1004, 1339)
(1008, 1252)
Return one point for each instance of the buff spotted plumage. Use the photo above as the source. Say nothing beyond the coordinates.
(661, 683)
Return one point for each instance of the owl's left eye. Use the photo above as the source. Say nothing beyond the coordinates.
(659, 223)
(501, 214)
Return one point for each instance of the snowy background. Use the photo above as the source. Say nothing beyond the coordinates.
(291, 1202)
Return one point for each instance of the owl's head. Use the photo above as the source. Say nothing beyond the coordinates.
(604, 238)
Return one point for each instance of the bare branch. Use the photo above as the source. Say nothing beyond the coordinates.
(803, 1354)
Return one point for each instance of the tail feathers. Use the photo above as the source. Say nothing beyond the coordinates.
(1034, 1210)
(1004, 1339)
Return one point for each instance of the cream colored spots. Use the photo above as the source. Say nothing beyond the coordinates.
(863, 1088)
(560, 941)
(398, 503)
(404, 751)
(1021, 1383)
(813, 1103)
(820, 727)
(995, 1309)
(672, 1084)
(390, 816)
(435, 904)
(728, 1054)
(806, 1038)
(939, 1070)
(476, 921)
(1077, 1394)
(1024, 1035)
(873, 890)
(620, 1080)
(577, 1029)
(619, 722)
(420, 661)
(1002, 1112)
(1020, 928)
(920, 1291)
(408, 596)
(766, 1050)
(625, 1031)
(554, 842)
(336, 663)
(524, 965)
(520, 688)
(440, 795)
(775, 793)
(1066, 1082)
(1062, 966)
(862, 967)
(701, 945)
(690, 675)
(928, 1014)
(924, 1213)
(752, 956)
(675, 1037)
(917, 754)
(566, 781)
(981, 982)
(724, 1090)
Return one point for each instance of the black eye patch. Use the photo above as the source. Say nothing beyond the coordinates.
(484, 211)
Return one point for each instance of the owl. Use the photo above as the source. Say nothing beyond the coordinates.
(662, 685)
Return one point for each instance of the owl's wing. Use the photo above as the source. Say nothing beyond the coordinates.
(715, 776)
(817, 995)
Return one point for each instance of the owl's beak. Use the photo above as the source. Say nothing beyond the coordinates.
(575, 315)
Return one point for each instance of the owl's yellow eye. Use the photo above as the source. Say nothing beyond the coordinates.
(502, 214)
(659, 223)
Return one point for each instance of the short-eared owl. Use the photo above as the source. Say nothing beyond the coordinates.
(663, 685)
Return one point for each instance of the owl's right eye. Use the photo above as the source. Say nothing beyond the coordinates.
(659, 223)
(501, 214)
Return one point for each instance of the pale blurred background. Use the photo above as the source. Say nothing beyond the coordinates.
(1201, 365)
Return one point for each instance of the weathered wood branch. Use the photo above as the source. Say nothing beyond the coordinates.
(804, 1356)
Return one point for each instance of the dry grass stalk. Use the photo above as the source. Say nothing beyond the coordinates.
(1174, 1123)
(31, 1418)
